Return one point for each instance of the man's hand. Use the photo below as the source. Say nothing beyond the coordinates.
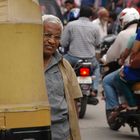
(121, 72)
(103, 59)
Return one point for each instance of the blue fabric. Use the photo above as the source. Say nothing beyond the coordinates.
(131, 74)
(87, 2)
(110, 91)
(138, 35)
(125, 89)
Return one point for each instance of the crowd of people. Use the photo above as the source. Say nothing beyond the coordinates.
(82, 36)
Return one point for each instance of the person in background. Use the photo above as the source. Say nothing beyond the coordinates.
(102, 21)
(68, 5)
(81, 38)
(102, 24)
(113, 24)
(134, 3)
(73, 14)
(61, 83)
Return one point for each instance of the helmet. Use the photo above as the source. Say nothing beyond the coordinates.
(73, 14)
(128, 15)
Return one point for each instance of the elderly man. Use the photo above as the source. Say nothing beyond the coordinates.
(61, 83)
(101, 22)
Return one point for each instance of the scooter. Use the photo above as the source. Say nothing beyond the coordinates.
(84, 72)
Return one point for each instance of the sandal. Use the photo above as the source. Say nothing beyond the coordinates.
(116, 112)
(113, 116)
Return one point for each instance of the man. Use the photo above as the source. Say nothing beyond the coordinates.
(129, 18)
(81, 38)
(68, 4)
(102, 21)
(61, 83)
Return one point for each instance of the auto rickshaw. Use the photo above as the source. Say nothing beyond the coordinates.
(24, 107)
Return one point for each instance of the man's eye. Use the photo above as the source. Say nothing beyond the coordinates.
(47, 35)
(57, 37)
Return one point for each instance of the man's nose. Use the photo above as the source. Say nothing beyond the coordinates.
(51, 39)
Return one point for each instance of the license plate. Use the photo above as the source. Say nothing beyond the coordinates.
(84, 80)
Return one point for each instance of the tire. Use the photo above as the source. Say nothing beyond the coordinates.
(92, 100)
(138, 128)
(83, 106)
(115, 125)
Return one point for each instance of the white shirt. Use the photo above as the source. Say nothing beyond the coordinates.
(82, 38)
(102, 28)
(120, 43)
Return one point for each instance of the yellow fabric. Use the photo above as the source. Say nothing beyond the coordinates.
(72, 91)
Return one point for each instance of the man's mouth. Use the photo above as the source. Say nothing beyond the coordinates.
(48, 47)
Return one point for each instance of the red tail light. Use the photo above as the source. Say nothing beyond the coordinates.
(84, 71)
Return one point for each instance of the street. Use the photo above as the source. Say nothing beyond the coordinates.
(94, 127)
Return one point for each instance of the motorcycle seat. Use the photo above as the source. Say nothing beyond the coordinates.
(136, 88)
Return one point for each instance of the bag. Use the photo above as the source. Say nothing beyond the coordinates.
(135, 60)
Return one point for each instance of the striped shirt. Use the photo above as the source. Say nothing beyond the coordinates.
(82, 37)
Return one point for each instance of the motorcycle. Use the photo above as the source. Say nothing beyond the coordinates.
(84, 72)
(131, 118)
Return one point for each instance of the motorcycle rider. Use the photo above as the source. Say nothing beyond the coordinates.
(128, 75)
(113, 24)
(129, 19)
(81, 38)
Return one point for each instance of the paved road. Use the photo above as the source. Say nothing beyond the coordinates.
(94, 126)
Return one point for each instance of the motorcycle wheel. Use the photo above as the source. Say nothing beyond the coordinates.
(115, 125)
(138, 128)
(83, 106)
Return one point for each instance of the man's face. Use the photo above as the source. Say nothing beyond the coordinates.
(104, 19)
(51, 38)
(69, 6)
(103, 16)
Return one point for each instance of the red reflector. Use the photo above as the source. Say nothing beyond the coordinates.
(84, 71)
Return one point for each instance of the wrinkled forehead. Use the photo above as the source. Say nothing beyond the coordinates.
(53, 23)
(52, 27)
